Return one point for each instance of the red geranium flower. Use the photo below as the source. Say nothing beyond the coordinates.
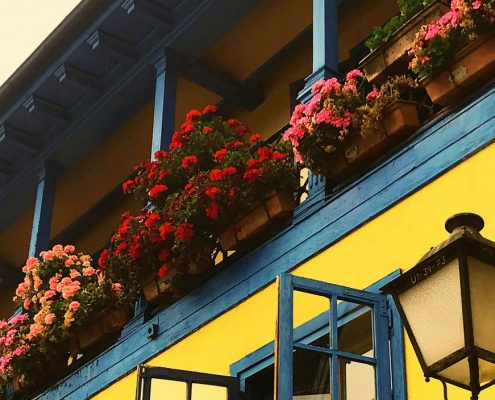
(189, 161)
(216, 175)
(210, 109)
(220, 154)
(103, 259)
(213, 210)
(159, 154)
(207, 130)
(156, 190)
(127, 186)
(165, 230)
(212, 192)
(184, 232)
(135, 250)
(265, 153)
(177, 141)
(233, 122)
(229, 171)
(193, 115)
(277, 155)
(255, 138)
(162, 272)
(253, 163)
(152, 220)
(252, 175)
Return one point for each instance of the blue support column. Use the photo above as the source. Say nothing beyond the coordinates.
(325, 65)
(165, 98)
(43, 210)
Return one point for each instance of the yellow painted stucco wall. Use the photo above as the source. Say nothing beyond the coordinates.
(395, 239)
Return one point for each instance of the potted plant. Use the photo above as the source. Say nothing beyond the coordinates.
(74, 303)
(390, 43)
(22, 362)
(342, 128)
(215, 171)
(456, 53)
(392, 109)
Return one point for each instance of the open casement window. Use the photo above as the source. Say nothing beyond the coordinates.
(159, 383)
(344, 360)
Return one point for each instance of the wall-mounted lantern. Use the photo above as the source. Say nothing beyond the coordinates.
(447, 304)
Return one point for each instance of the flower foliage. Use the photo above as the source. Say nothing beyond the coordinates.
(319, 128)
(214, 172)
(408, 8)
(437, 43)
(62, 290)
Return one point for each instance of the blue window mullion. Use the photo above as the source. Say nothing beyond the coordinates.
(382, 350)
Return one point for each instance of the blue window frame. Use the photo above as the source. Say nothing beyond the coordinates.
(155, 383)
(316, 338)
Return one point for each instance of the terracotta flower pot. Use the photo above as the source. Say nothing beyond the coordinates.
(391, 57)
(275, 208)
(472, 66)
(98, 330)
(401, 118)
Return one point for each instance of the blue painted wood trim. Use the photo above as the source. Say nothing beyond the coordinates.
(167, 70)
(325, 35)
(43, 209)
(441, 145)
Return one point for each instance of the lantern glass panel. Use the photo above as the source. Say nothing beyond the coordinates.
(487, 371)
(481, 285)
(458, 372)
(433, 309)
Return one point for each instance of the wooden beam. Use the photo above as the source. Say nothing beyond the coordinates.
(43, 210)
(20, 139)
(45, 106)
(225, 86)
(149, 12)
(167, 70)
(118, 48)
(80, 80)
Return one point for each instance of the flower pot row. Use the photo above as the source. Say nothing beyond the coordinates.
(400, 120)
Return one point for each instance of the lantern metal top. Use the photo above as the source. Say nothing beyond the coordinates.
(460, 220)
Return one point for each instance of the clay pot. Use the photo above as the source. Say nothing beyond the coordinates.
(277, 207)
(391, 58)
(401, 118)
(472, 66)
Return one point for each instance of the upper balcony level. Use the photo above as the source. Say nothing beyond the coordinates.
(107, 91)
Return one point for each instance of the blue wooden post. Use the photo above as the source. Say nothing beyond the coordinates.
(43, 210)
(325, 65)
(165, 99)
(284, 341)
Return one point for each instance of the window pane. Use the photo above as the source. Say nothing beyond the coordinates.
(358, 380)
(165, 389)
(311, 376)
(356, 336)
(208, 392)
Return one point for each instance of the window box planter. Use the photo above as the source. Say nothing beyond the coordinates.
(400, 120)
(99, 330)
(163, 290)
(472, 66)
(391, 57)
(275, 208)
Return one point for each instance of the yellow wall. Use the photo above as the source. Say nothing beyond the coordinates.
(397, 238)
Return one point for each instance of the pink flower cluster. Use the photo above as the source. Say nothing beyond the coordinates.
(331, 107)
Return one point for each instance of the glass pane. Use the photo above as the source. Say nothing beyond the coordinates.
(434, 311)
(357, 380)
(482, 282)
(459, 372)
(311, 376)
(162, 389)
(356, 336)
(307, 306)
(208, 392)
(487, 371)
